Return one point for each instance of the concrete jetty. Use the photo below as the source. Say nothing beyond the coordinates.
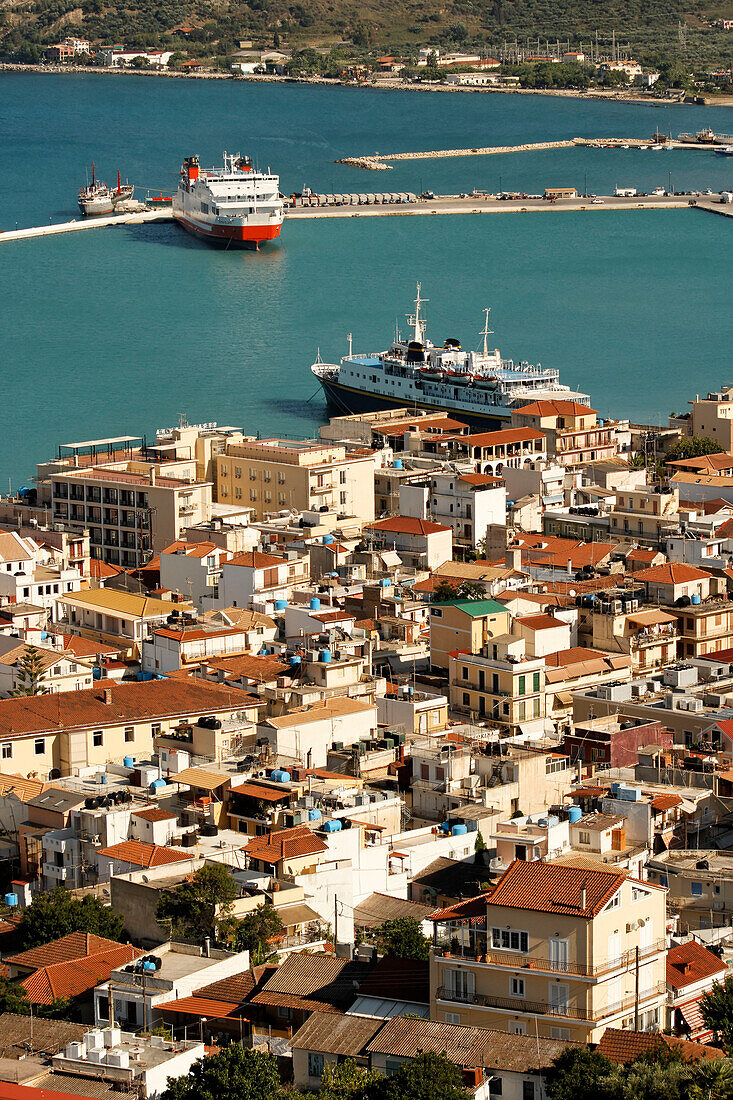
(86, 223)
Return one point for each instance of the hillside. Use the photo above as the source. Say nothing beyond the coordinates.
(215, 27)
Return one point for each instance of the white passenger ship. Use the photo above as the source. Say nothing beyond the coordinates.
(479, 386)
(234, 205)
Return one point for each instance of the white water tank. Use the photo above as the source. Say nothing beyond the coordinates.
(98, 1055)
(118, 1058)
(94, 1039)
(75, 1050)
(112, 1036)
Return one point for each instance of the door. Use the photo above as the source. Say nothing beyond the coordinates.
(520, 851)
(614, 949)
(559, 953)
(559, 997)
(460, 985)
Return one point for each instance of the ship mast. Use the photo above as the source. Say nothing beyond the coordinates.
(349, 337)
(418, 322)
(486, 331)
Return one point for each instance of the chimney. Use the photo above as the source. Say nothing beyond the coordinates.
(107, 696)
(152, 475)
(514, 558)
(582, 897)
(570, 568)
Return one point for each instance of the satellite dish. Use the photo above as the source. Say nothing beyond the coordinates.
(571, 592)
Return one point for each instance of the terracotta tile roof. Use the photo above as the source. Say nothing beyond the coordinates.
(77, 945)
(262, 792)
(247, 666)
(68, 980)
(21, 787)
(626, 1046)
(191, 549)
(541, 622)
(555, 888)
(187, 635)
(507, 435)
(556, 552)
(238, 987)
(406, 525)
(141, 854)
(556, 408)
(146, 700)
(671, 572)
(100, 570)
(691, 962)
(705, 463)
(85, 647)
(666, 801)
(201, 1007)
(155, 813)
(480, 480)
(462, 910)
(253, 559)
(641, 555)
(285, 844)
(314, 981)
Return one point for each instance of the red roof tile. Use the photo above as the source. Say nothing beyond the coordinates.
(556, 888)
(626, 1046)
(691, 962)
(77, 945)
(406, 525)
(672, 572)
(141, 854)
(285, 844)
(67, 980)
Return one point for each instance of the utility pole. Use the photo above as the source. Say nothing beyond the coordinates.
(335, 920)
(636, 989)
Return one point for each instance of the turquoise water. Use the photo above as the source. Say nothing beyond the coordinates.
(119, 331)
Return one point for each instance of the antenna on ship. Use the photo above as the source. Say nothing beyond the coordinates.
(486, 331)
(350, 338)
(416, 320)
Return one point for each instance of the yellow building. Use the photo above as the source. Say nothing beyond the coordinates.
(645, 515)
(555, 950)
(465, 625)
(502, 683)
(114, 617)
(270, 475)
(712, 417)
(574, 435)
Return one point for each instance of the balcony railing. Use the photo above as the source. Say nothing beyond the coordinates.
(591, 1014)
(518, 961)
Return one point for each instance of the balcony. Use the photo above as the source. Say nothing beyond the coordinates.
(515, 960)
(588, 1014)
(57, 874)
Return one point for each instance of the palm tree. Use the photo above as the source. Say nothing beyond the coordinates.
(712, 1079)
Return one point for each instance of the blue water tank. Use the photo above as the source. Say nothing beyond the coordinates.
(445, 827)
(314, 815)
(574, 814)
(148, 966)
(96, 674)
(11, 899)
(386, 583)
(284, 777)
(333, 826)
(128, 761)
(327, 540)
(280, 605)
(102, 778)
(157, 784)
(326, 656)
(315, 604)
(542, 822)
(279, 776)
(553, 820)
(397, 464)
(294, 661)
(458, 830)
(696, 598)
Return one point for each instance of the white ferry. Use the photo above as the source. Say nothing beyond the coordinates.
(479, 386)
(233, 205)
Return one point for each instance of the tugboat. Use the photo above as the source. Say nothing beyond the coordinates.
(234, 205)
(95, 198)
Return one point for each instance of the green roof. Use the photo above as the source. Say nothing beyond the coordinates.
(475, 608)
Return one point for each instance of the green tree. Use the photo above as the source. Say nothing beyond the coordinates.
(195, 908)
(13, 998)
(30, 674)
(235, 1073)
(427, 1077)
(480, 845)
(254, 932)
(58, 912)
(717, 1012)
(347, 1081)
(403, 939)
(576, 1074)
(711, 1080)
(693, 447)
(466, 590)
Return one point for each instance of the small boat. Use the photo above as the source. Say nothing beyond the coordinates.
(95, 198)
(726, 151)
(122, 192)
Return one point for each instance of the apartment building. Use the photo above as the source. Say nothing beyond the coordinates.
(464, 625)
(712, 416)
(672, 581)
(31, 572)
(502, 683)
(132, 509)
(555, 950)
(194, 570)
(510, 448)
(648, 635)
(419, 543)
(272, 475)
(574, 434)
(467, 502)
(699, 885)
(258, 580)
(202, 443)
(645, 515)
(111, 616)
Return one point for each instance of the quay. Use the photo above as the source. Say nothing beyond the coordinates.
(441, 204)
(380, 162)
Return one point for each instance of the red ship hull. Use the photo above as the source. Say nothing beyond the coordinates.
(231, 236)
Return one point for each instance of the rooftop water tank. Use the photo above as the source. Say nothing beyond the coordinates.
(315, 604)
(574, 814)
(444, 827)
(280, 605)
(148, 966)
(696, 598)
(294, 661)
(157, 784)
(75, 1050)
(542, 822)
(326, 656)
(314, 815)
(128, 761)
(458, 830)
(553, 820)
(397, 464)
(333, 826)
(327, 540)
(11, 899)
(386, 583)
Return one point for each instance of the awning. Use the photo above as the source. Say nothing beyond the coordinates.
(298, 913)
(390, 558)
(202, 1008)
(563, 699)
(199, 777)
(692, 1016)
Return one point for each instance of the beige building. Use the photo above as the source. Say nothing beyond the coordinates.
(501, 683)
(574, 434)
(72, 730)
(272, 475)
(464, 625)
(110, 615)
(712, 416)
(645, 515)
(513, 448)
(647, 635)
(556, 950)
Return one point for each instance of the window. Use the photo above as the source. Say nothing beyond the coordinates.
(392, 1067)
(155, 729)
(315, 1065)
(436, 612)
(521, 685)
(39, 746)
(517, 987)
(560, 1033)
(464, 672)
(584, 838)
(466, 699)
(453, 1017)
(97, 739)
(535, 681)
(527, 1090)
(7, 751)
(129, 733)
(285, 1012)
(508, 940)
(615, 901)
(696, 889)
(495, 1086)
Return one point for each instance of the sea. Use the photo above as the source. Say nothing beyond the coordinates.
(122, 331)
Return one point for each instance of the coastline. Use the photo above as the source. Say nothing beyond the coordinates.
(383, 85)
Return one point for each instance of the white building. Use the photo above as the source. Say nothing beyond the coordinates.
(256, 580)
(194, 570)
(466, 502)
(187, 642)
(122, 1060)
(306, 736)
